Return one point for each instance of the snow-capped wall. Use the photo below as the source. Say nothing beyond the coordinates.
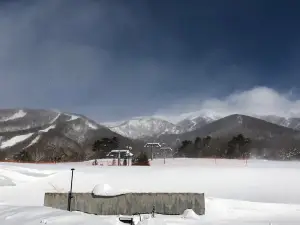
(129, 203)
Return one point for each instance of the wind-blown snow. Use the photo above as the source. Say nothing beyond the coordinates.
(237, 192)
(15, 140)
(17, 115)
(73, 117)
(48, 128)
(92, 126)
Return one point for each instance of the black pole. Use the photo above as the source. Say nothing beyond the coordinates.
(70, 193)
(151, 152)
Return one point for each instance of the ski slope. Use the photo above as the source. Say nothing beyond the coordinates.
(237, 192)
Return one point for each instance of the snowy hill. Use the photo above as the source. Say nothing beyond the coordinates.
(291, 122)
(264, 135)
(249, 126)
(145, 126)
(155, 126)
(48, 131)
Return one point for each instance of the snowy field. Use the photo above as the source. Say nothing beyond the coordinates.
(237, 192)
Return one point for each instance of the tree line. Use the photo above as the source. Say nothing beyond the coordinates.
(99, 149)
(103, 146)
(51, 153)
(237, 146)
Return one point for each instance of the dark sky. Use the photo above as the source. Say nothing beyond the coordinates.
(116, 59)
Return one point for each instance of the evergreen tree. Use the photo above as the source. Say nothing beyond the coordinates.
(186, 148)
(198, 143)
(237, 146)
(142, 158)
(105, 145)
(23, 156)
(206, 141)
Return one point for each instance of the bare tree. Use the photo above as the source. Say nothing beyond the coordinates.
(37, 154)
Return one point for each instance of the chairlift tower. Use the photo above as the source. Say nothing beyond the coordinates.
(151, 146)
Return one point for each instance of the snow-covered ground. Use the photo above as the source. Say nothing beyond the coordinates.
(237, 192)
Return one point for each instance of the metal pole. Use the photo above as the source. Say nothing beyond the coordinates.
(70, 193)
(164, 156)
(151, 152)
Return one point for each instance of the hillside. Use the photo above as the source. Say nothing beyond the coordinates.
(50, 133)
(152, 127)
(145, 127)
(232, 125)
(142, 127)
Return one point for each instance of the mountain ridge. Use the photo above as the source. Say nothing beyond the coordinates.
(52, 131)
(232, 125)
(189, 123)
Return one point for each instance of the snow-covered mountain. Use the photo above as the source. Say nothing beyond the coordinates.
(145, 126)
(193, 123)
(155, 126)
(291, 122)
(44, 121)
(48, 131)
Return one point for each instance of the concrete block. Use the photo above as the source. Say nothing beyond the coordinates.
(129, 203)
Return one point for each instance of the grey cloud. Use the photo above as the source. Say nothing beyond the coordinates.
(105, 59)
(61, 53)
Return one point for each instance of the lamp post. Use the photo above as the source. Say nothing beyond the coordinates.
(70, 193)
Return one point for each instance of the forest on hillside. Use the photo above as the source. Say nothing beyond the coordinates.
(240, 146)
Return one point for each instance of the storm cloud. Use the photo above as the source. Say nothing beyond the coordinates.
(113, 60)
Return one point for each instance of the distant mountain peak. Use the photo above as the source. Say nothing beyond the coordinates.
(152, 126)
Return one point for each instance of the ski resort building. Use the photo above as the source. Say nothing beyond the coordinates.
(120, 155)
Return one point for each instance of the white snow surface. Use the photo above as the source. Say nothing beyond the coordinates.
(20, 114)
(145, 126)
(237, 192)
(15, 140)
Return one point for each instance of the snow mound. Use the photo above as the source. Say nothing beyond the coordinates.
(190, 214)
(4, 181)
(106, 190)
(14, 140)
